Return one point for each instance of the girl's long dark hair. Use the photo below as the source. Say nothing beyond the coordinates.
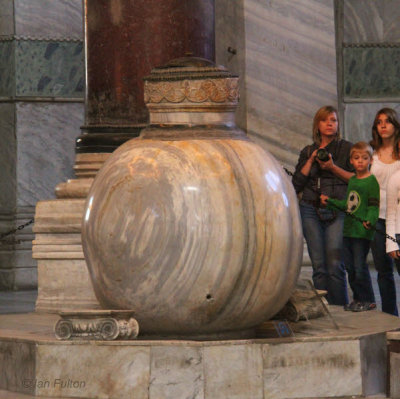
(376, 141)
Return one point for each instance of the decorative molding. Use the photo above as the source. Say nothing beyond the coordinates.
(372, 45)
(105, 325)
(218, 91)
(9, 38)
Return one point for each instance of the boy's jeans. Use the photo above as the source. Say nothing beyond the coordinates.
(324, 243)
(355, 251)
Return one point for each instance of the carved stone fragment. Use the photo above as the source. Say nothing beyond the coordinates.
(105, 325)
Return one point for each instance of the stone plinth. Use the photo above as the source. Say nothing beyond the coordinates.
(318, 362)
(394, 364)
(62, 273)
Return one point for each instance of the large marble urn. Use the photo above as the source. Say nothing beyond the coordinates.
(192, 225)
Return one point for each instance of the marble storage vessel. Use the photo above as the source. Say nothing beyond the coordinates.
(192, 225)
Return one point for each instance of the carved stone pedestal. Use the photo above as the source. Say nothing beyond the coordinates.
(63, 277)
(105, 325)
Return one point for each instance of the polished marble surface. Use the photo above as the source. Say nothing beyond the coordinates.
(198, 236)
(7, 69)
(49, 69)
(176, 372)
(230, 34)
(371, 21)
(45, 156)
(371, 72)
(49, 18)
(8, 157)
(6, 17)
(287, 63)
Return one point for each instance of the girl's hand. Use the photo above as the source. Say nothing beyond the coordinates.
(328, 165)
(367, 225)
(394, 254)
(324, 199)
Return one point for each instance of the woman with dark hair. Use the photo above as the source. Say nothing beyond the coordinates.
(324, 168)
(385, 140)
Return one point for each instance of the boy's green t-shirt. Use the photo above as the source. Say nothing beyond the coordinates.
(362, 201)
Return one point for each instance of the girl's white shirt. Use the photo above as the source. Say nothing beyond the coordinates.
(382, 172)
(393, 210)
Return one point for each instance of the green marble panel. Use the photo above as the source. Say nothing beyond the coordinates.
(7, 67)
(371, 72)
(49, 69)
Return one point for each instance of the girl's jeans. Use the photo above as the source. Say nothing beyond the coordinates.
(325, 244)
(384, 266)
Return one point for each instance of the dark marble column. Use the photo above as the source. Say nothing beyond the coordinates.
(125, 39)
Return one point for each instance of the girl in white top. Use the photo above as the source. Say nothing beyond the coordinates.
(393, 217)
(385, 138)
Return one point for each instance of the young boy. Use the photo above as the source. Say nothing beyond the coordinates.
(362, 211)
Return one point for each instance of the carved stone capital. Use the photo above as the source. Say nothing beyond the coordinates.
(105, 325)
(208, 91)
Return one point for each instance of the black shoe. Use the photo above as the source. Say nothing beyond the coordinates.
(364, 306)
(351, 306)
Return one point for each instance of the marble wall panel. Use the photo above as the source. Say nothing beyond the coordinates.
(8, 154)
(49, 69)
(230, 49)
(296, 370)
(7, 69)
(94, 371)
(359, 117)
(371, 72)
(233, 372)
(371, 21)
(374, 363)
(17, 365)
(394, 375)
(290, 71)
(46, 147)
(49, 18)
(6, 17)
(176, 372)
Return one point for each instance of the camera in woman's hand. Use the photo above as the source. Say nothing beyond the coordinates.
(323, 155)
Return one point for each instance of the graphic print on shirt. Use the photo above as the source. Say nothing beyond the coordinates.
(353, 201)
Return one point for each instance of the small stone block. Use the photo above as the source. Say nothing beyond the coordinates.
(105, 325)
(393, 335)
(395, 375)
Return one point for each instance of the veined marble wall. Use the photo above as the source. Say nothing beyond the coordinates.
(371, 63)
(287, 63)
(41, 111)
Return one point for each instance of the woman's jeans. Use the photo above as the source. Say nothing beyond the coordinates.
(384, 266)
(355, 251)
(325, 243)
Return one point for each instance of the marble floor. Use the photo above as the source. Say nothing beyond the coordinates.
(24, 301)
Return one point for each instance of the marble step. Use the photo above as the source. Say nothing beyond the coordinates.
(318, 361)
